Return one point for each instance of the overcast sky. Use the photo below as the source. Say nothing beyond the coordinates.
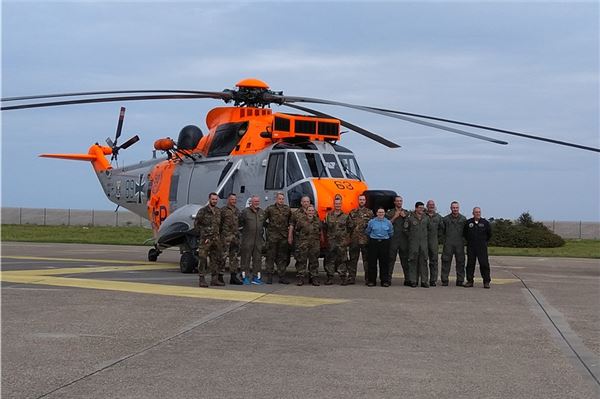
(531, 67)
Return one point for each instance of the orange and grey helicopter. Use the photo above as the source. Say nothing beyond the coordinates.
(249, 149)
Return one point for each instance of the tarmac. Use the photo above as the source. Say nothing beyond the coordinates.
(99, 321)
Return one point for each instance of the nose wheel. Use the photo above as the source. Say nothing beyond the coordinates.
(153, 254)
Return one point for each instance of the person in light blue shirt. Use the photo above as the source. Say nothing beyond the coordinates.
(380, 230)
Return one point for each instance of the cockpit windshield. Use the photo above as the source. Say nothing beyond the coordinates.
(311, 164)
(332, 166)
(350, 167)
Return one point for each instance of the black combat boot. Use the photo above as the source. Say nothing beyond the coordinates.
(235, 280)
(343, 280)
(202, 282)
(329, 280)
(269, 278)
(214, 281)
(300, 281)
(283, 280)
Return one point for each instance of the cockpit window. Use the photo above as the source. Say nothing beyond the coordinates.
(293, 172)
(275, 168)
(332, 165)
(312, 164)
(350, 167)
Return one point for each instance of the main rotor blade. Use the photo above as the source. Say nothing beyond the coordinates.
(493, 129)
(216, 94)
(120, 124)
(106, 100)
(349, 125)
(286, 99)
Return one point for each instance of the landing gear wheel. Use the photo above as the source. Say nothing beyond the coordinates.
(188, 263)
(153, 254)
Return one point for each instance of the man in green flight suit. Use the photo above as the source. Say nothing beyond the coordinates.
(359, 241)
(454, 244)
(435, 221)
(417, 228)
(399, 242)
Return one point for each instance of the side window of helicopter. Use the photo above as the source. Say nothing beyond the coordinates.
(295, 194)
(293, 171)
(275, 172)
(332, 165)
(312, 164)
(350, 167)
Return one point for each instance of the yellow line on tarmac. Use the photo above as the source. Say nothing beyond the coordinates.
(25, 277)
(128, 262)
(90, 269)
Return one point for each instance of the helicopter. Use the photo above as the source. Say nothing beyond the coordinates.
(248, 150)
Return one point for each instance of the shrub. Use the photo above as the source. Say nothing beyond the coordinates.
(525, 233)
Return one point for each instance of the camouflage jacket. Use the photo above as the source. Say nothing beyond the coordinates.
(230, 221)
(208, 222)
(295, 215)
(359, 219)
(307, 230)
(277, 221)
(338, 227)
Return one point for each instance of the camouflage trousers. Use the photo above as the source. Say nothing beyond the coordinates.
(231, 250)
(277, 255)
(307, 252)
(210, 249)
(355, 251)
(337, 260)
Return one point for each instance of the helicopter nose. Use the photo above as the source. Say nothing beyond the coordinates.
(328, 189)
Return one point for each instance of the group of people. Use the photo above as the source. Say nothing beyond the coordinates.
(228, 235)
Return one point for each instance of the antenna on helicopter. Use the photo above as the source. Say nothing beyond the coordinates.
(113, 145)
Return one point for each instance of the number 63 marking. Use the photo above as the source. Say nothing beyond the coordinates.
(343, 185)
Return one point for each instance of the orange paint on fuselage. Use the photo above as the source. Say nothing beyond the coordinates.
(158, 200)
(327, 188)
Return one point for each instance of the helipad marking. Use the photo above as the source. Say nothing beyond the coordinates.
(46, 277)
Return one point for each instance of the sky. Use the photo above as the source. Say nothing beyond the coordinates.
(527, 66)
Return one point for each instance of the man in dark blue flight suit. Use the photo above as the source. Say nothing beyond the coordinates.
(477, 232)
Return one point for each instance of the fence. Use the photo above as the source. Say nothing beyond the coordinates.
(71, 217)
(78, 217)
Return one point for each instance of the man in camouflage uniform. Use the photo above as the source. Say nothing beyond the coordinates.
(206, 226)
(308, 245)
(417, 228)
(304, 204)
(435, 222)
(277, 221)
(399, 242)
(252, 220)
(337, 228)
(454, 245)
(359, 218)
(230, 237)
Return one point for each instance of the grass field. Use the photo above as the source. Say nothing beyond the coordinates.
(76, 234)
(140, 235)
